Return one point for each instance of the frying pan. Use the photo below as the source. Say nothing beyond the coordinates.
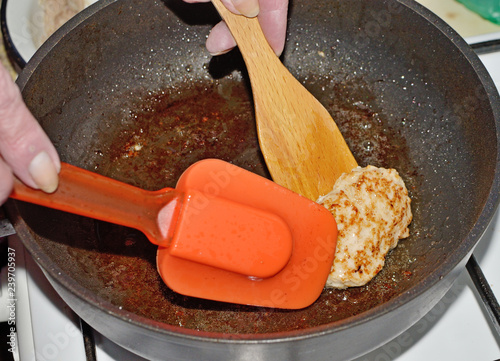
(126, 89)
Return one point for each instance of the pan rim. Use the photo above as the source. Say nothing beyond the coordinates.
(466, 247)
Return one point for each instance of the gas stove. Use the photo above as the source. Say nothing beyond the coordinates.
(457, 328)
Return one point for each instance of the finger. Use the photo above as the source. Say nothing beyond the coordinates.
(220, 40)
(273, 20)
(248, 8)
(24, 145)
(6, 181)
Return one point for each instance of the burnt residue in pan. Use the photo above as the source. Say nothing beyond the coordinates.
(165, 132)
(169, 130)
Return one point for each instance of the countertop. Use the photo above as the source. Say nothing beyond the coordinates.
(466, 22)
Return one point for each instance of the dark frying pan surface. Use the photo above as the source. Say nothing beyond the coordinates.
(141, 108)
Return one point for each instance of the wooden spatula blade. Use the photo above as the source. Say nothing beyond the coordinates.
(303, 147)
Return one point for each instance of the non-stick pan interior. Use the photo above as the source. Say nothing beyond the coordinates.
(131, 93)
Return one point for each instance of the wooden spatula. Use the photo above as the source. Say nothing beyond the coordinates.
(302, 146)
(223, 233)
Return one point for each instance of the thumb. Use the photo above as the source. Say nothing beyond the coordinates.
(24, 146)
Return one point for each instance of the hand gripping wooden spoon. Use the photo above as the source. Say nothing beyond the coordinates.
(223, 233)
(302, 146)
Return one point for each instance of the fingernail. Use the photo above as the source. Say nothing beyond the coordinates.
(44, 173)
(222, 52)
(249, 8)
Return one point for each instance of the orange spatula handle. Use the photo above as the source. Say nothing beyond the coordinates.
(92, 195)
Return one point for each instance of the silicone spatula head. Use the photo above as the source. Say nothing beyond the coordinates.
(313, 233)
(232, 236)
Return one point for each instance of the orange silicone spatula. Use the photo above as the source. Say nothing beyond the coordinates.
(220, 231)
